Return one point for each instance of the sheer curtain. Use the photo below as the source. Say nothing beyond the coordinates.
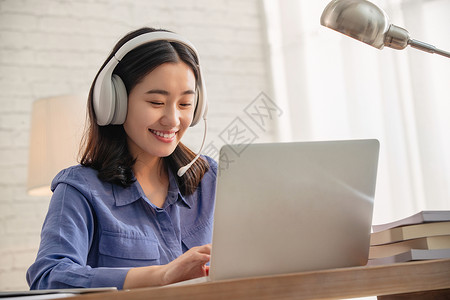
(334, 87)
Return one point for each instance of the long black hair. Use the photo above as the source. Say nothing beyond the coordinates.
(105, 148)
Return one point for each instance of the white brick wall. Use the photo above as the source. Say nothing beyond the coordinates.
(54, 47)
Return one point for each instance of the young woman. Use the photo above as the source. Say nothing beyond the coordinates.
(124, 217)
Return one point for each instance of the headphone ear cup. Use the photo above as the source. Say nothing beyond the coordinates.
(121, 100)
(201, 108)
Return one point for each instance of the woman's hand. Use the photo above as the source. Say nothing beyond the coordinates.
(189, 265)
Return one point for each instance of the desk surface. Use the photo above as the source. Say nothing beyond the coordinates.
(327, 284)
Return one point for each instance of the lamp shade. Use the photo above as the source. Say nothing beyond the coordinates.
(57, 125)
(358, 19)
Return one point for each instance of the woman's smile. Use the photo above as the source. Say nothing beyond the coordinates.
(164, 136)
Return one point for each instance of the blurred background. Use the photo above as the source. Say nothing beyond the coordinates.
(273, 73)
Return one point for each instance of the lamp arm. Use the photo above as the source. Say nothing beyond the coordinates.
(398, 38)
(427, 47)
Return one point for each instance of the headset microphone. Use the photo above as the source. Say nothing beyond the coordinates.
(183, 170)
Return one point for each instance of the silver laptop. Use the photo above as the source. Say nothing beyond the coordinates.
(292, 207)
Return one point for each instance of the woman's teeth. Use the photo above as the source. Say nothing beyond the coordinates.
(164, 135)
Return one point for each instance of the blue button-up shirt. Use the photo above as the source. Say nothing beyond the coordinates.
(95, 231)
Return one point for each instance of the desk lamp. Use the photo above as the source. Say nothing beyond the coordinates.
(366, 22)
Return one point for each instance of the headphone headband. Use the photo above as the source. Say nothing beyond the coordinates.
(110, 97)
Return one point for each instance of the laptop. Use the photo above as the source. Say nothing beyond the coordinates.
(292, 207)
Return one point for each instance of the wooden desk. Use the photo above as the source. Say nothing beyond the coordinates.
(430, 278)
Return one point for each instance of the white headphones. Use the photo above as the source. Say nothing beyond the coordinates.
(110, 97)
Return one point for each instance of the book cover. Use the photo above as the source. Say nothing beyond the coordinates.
(421, 217)
(409, 232)
(434, 242)
(411, 255)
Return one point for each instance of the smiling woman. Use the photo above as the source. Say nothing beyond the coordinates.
(160, 109)
(162, 104)
(129, 77)
(123, 218)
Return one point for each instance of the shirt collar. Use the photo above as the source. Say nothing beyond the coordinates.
(124, 196)
(174, 194)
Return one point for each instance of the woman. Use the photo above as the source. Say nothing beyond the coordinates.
(123, 217)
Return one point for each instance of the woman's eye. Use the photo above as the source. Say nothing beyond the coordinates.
(185, 104)
(158, 103)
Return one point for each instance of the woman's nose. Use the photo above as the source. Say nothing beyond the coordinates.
(171, 117)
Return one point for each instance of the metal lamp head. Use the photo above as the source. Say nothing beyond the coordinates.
(364, 21)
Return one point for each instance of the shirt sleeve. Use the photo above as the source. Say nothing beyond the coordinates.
(66, 238)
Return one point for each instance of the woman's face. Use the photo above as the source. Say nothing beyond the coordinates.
(160, 109)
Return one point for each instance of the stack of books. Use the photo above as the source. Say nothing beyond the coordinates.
(425, 235)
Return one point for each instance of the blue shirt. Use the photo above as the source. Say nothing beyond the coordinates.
(95, 231)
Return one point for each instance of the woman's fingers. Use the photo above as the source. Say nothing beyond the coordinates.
(191, 264)
(206, 249)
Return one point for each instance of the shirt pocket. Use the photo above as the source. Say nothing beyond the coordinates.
(140, 249)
